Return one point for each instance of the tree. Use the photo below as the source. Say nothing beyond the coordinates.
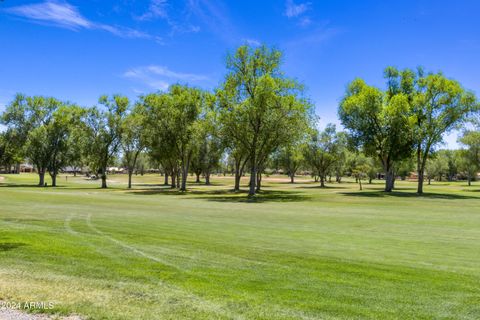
(173, 120)
(11, 151)
(436, 167)
(132, 140)
(31, 120)
(291, 158)
(259, 108)
(104, 132)
(211, 147)
(321, 151)
(361, 169)
(57, 138)
(440, 104)
(340, 164)
(405, 167)
(470, 155)
(379, 124)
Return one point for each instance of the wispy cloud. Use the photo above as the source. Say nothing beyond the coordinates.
(161, 77)
(164, 10)
(156, 9)
(64, 15)
(252, 42)
(214, 14)
(294, 10)
(314, 38)
(298, 12)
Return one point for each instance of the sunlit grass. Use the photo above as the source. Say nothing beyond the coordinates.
(295, 251)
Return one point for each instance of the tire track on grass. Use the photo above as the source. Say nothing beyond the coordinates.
(203, 304)
(200, 302)
(127, 246)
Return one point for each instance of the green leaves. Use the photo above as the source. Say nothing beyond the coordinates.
(259, 109)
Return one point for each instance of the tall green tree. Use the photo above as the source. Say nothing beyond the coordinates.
(133, 140)
(322, 150)
(260, 109)
(379, 124)
(174, 121)
(104, 132)
(210, 145)
(439, 106)
(30, 119)
(65, 120)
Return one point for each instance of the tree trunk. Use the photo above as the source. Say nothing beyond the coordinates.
(104, 181)
(130, 173)
(322, 181)
(198, 177)
(389, 179)
(360, 183)
(421, 162)
(41, 178)
(253, 177)
(420, 182)
(259, 182)
(103, 173)
(469, 180)
(237, 181)
(166, 179)
(17, 168)
(184, 176)
(292, 178)
(207, 178)
(174, 183)
(54, 179)
(239, 167)
(429, 181)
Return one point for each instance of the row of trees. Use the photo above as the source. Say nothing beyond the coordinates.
(257, 118)
(410, 117)
(254, 112)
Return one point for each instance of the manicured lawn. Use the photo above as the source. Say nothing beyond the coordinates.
(296, 252)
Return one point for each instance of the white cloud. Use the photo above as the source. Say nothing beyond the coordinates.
(64, 15)
(156, 9)
(160, 77)
(162, 9)
(294, 10)
(252, 42)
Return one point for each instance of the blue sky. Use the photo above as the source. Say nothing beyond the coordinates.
(78, 50)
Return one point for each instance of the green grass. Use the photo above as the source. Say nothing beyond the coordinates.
(294, 252)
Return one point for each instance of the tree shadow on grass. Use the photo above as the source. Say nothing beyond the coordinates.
(228, 195)
(261, 197)
(7, 246)
(19, 185)
(326, 187)
(429, 195)
(167, 190)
